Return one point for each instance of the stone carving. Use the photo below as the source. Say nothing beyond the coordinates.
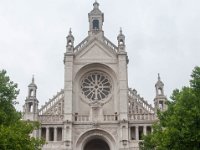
(54, 106)
(55, 110)
(50, 118)
(137, 104)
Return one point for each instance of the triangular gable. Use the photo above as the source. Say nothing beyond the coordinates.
(96, 50)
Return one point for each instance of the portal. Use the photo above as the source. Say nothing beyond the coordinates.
(96, 144)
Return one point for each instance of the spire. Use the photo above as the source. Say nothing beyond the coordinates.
(32, 84)
(33, 80)
(70, 31)
(32, 88)
(120, 31)
(159, 84)
(121, 35)
(158, 76)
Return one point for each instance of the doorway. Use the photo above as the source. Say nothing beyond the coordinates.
(96, 144)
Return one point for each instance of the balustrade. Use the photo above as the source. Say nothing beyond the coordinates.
(110, 44)
(142, 117)
(86, 118)
(82, 44)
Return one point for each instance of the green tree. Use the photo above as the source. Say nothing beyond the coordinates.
(14, 132)
(178, 127)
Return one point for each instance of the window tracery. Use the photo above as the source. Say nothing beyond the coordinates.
(96, 86)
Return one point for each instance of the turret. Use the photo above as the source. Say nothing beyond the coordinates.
(160, 99)
(121, 41)
(70, 42)
(96, 19)
(31, 102)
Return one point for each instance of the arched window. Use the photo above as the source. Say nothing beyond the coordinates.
(121, 42)
(95, 24)
(31, 92)
(30, 107)
(160, 91)
(161, 105)
(70, 42)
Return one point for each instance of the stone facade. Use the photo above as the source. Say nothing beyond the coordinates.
(95, 110)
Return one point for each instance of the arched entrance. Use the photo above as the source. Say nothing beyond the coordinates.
(96, 144)
(96, 139)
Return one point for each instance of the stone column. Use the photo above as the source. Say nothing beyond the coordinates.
(47, 134)
(145, 130)
(55, 134)
(64, 133)
(137, 132)
(39, 132)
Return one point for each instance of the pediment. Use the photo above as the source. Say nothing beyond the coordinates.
(96, 51)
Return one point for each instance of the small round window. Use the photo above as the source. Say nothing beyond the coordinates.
(96, 85)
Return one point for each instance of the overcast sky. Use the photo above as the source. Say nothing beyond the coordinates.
(162, 36)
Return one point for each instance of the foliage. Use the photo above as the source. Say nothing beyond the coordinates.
(14, 132)
(178, 127)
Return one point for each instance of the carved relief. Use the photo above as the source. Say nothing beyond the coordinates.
(137, 104)
(50, 118)
(55, 110)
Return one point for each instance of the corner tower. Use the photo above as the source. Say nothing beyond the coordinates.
(160, 99)
(31, 103)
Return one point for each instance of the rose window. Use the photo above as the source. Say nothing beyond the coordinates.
(96, 86)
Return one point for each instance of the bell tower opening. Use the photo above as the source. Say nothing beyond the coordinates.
(96, 144)
(96, 19)
(96, 24)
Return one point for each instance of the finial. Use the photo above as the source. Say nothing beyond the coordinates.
(70, 31)
(96, 4)
(159, 76)
(120, 30)
(33, 79)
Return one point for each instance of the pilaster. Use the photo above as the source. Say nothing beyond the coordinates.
(123, 86)
(68, 60)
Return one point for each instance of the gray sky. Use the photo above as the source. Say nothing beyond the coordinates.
(162, 36)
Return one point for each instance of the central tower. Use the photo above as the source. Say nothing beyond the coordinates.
(96, 87)
(96, 19)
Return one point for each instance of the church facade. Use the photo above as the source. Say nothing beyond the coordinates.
(96, 110)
